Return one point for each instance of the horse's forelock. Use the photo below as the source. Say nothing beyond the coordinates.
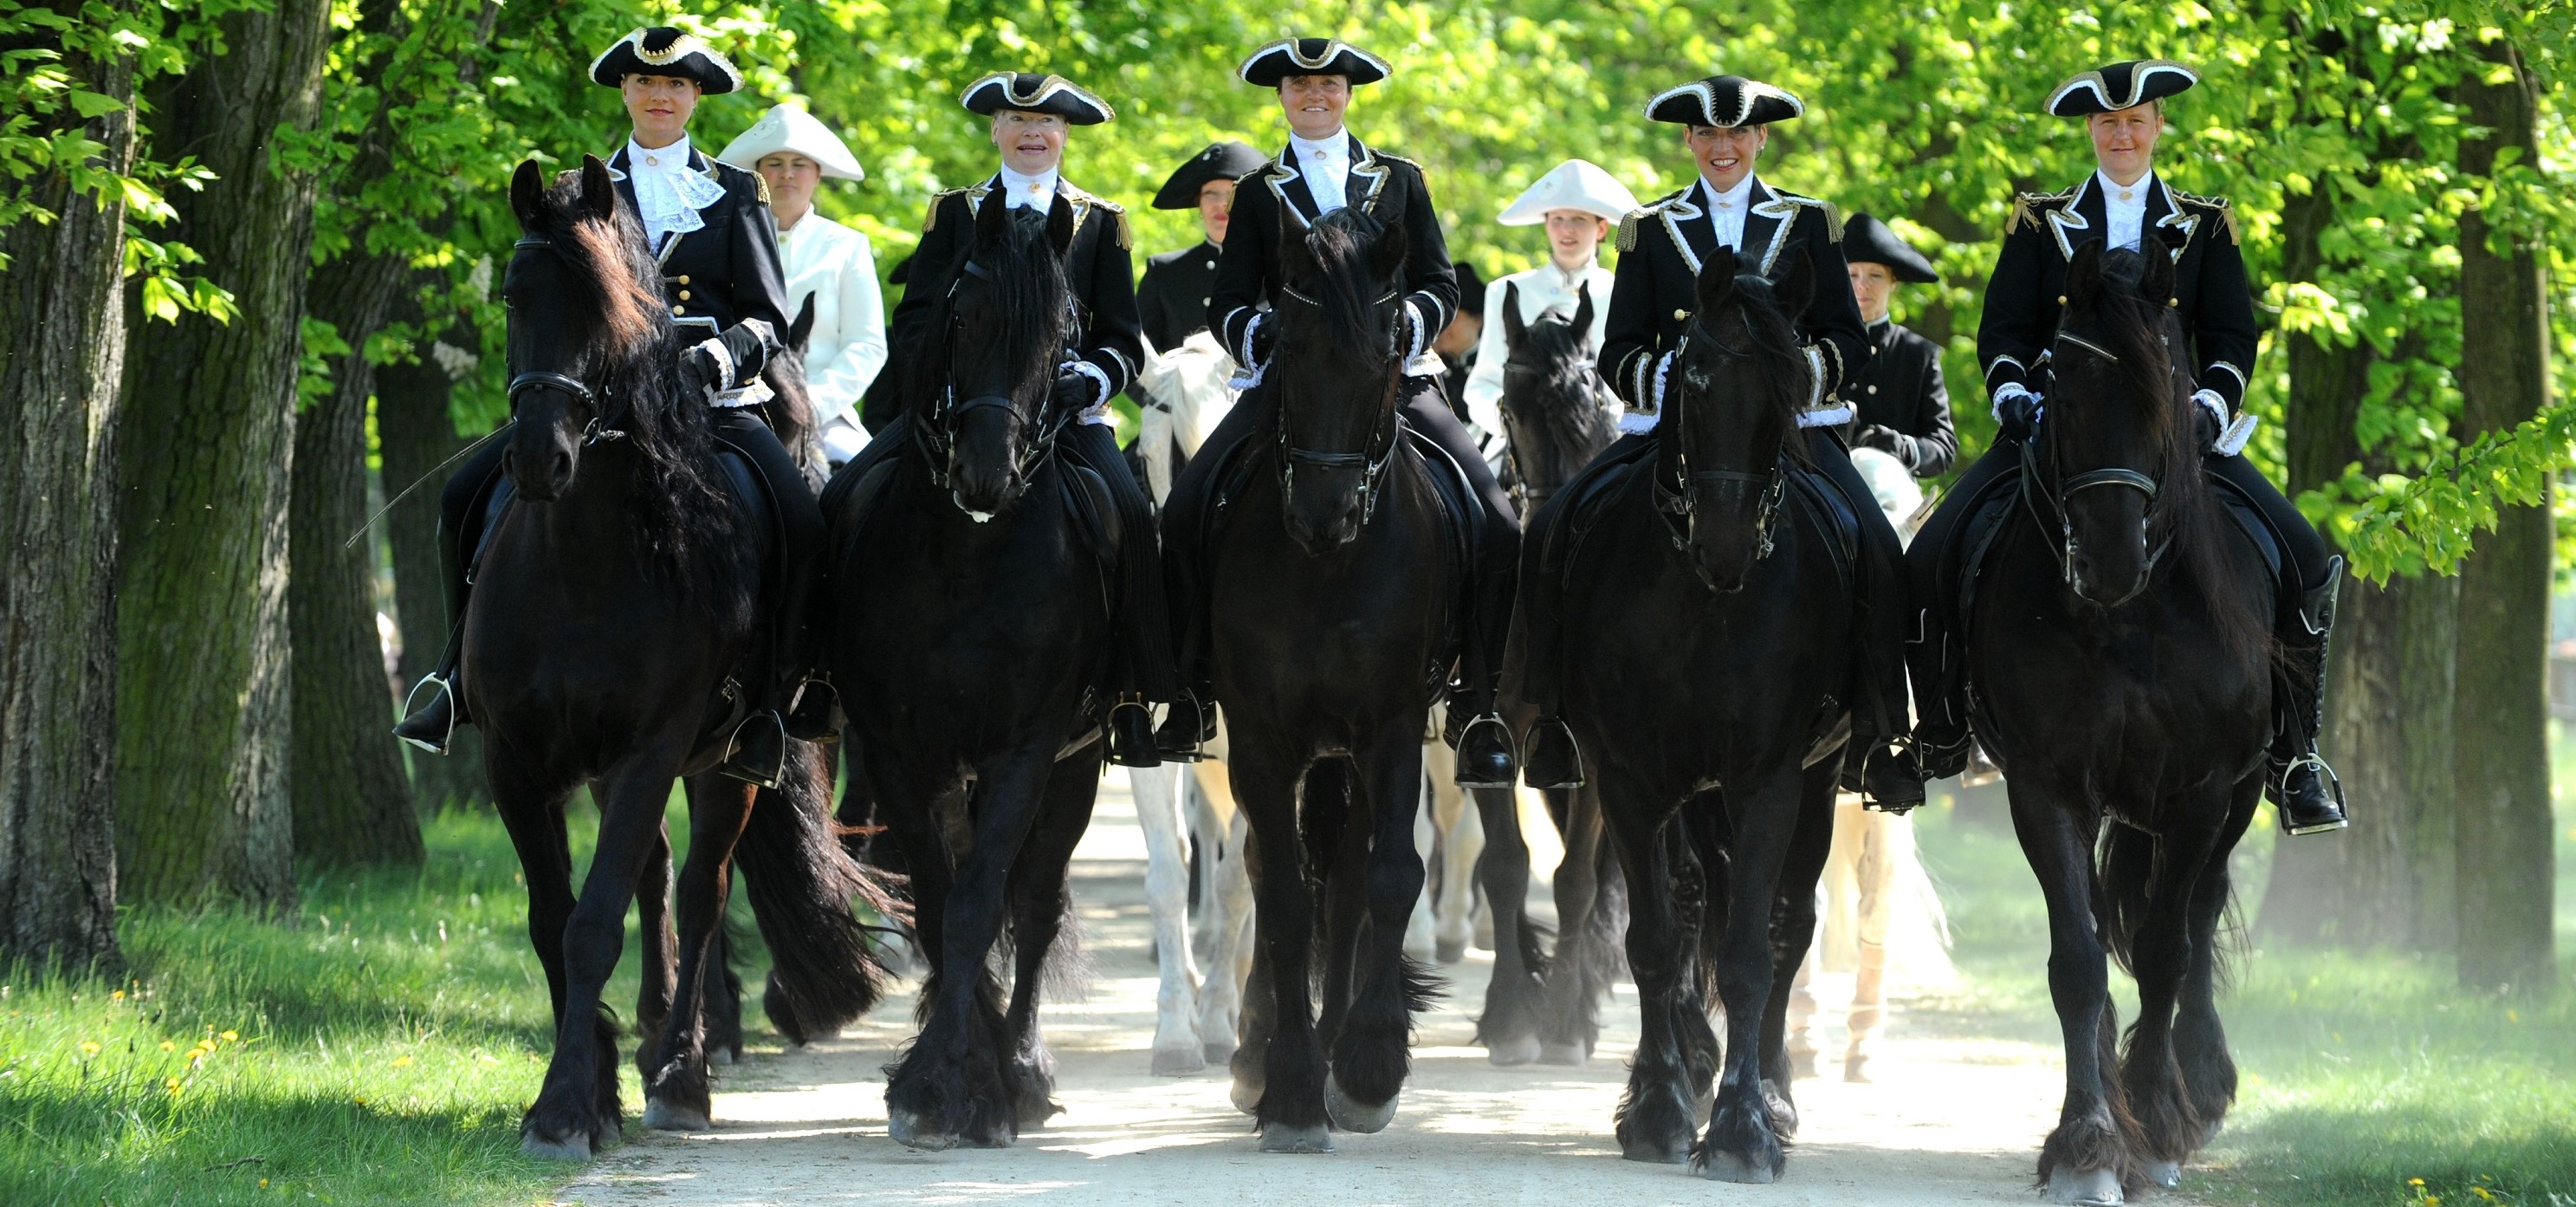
(1344, 283)
(1780, 371)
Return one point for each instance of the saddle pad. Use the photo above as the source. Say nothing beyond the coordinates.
(1995, 505)
(1834, 514)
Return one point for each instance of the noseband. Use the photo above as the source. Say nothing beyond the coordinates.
(2037, 492)
(1372, 467)
(938, 436)
(1679, 499)
(597, 429)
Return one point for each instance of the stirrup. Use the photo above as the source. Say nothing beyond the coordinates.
(1553, 759)
(809, 710)
(1128, 733)
(447, 732)
(756, 753)
(2333, 784)
(1487, 741)
(1175, 744)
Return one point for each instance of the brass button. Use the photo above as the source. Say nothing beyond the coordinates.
(684, 278)
(679, 310)
(1873, 389)
(1679, 315)
(684, 295)
(2061, 299)
(2173, 302)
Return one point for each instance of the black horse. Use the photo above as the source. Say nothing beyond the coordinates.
(971, 639)
(2118, 646)
(617, 591)
(1556, 417)
(1708, 624)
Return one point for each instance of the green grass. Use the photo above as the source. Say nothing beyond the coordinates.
(376, 1048)
(2360, 1073)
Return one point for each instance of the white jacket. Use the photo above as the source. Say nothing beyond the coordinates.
(835, 265)
(1542, 287)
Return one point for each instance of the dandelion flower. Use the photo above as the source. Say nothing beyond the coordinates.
(167, 1046)
(89, 1047)
(117, 995)
(402, 1062)
(171, 1084)
(230, 1037)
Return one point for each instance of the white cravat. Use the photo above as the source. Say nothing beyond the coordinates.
(1029, 192)
(668, 195)
(1326, 165)
(2125, 209)
(1726, 210)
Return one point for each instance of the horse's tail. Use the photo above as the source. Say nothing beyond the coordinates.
(2124, 872)
(824, 969)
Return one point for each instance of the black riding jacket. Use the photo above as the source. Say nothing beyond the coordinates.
(1383, 186)
(728, 270)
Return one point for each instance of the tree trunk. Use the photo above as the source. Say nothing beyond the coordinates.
(62, 346)
(352, 804)
(204, 714)
(418, 436)
(2386, 881)
(2504, 840)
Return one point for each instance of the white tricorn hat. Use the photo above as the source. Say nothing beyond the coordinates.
(788, 128)
(1576, 184)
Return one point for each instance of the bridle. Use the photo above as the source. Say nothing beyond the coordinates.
(598, 428)
(1678, 500)
(937, 437)
(2037, 490)
(1372, 466)
(1596, 392)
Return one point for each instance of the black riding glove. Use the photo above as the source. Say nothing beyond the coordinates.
(1889, 441)
(2017, 417)
(1075, 390)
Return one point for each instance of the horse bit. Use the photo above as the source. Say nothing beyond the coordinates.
(1372, 469)
(2088, 480)
(1681, 501)
(596, 430)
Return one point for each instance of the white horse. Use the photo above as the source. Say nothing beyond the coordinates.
(1880, 917)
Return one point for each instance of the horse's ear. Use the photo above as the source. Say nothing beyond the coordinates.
(2084, 276)
(992, 219)
(802, 330)
(1513, 328)
(528, 194)
(1060, 225)
(1716, 279)
(1796, 286)
(1388, 254)
(2157, 283)
(1583, 315)
(598, 191)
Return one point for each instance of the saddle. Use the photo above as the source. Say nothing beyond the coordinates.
(1993, 506)
(1593, 493)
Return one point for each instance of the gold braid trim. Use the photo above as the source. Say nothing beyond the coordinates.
(1628, 231)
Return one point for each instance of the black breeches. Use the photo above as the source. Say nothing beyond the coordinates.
(1144, 658)
(460, 516)
(800, 520)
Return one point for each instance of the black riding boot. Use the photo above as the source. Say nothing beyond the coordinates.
(430, 723)
(791, 702)
(2302, 787)
(1934, 658)
(1550, 757)
(1876, 696)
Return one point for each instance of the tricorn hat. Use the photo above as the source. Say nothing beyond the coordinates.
(2119, 86)
(1866, 240)
(788, 128)
(1471, 289)
(1724, 100)
(1576, 184)
(1220, 161)
(1030, 92)
(662, 50)
(1312, 56)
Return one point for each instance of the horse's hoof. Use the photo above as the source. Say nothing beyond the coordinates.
(1653, 1153)
(1218, 1052)
(2167, 1174)
(664, 1117)
(904, 1129)
(1281, 1138)
(1245, 1095)
(1572, 1056)
(1179, 1062)
(570, 1148)
(1448, 952)
(2084, 1187)
(1732, 1167)
(1856, 1070)
(1512, 1053)
(1353, 1116)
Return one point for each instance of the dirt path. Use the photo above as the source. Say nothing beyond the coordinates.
(1947, 1121)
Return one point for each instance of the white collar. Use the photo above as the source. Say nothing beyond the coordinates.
(1015, 185)
(1332, 148)
(673, 158)
(1574, 280)
(2111, 189)
(1736, 198)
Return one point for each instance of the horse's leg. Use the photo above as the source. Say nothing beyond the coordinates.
(676, 1095)
(1886, 847)
(1793, 933)
(1767, 818)
(1570, 1015)
(1461, 843)
(2086, 1157)
(576, 1112)
(2161, 953)
(1658, 1113)
(1329, 818)
(1370, 1057)
(533, 813)
(1509, 1025)
(1177, 1051)
(1422, 925)
(1039, 906)
(949, 1089)
(1290, 1108)
(1221, 992)
(2200, 1043)
(661, 953)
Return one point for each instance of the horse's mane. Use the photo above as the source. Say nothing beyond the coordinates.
(1780, 369)
(1340, 244)
(1032, 296)
(688, 523)
(1554, 349)
(2132, 326)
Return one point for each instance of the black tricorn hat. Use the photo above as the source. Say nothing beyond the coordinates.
(1471, 289)
(2119, 86)
(1724, 100)
(1312, 56)
(662, 50)
(1030, 92)
(1220, 161)
(1866, 240)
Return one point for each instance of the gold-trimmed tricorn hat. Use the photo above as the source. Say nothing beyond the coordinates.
(1312, 56)
(662, 50)
(1724, 100)
(1030, 92)
(2119, 86)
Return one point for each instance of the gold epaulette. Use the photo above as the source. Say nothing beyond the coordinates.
(1628, 231)
(2025, 210)
(2226, 211)
(1833, 213)
(932, 220)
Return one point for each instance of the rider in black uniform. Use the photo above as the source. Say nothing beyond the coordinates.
(1324, 169)
(1900, 406)
(710, 228)
(1661, 247)
(2126, 204)
(1173, 297)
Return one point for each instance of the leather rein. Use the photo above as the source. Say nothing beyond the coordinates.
(599, 428)
(1678, 501)
(937, 438)
(2037, 489)
(1372, 466)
